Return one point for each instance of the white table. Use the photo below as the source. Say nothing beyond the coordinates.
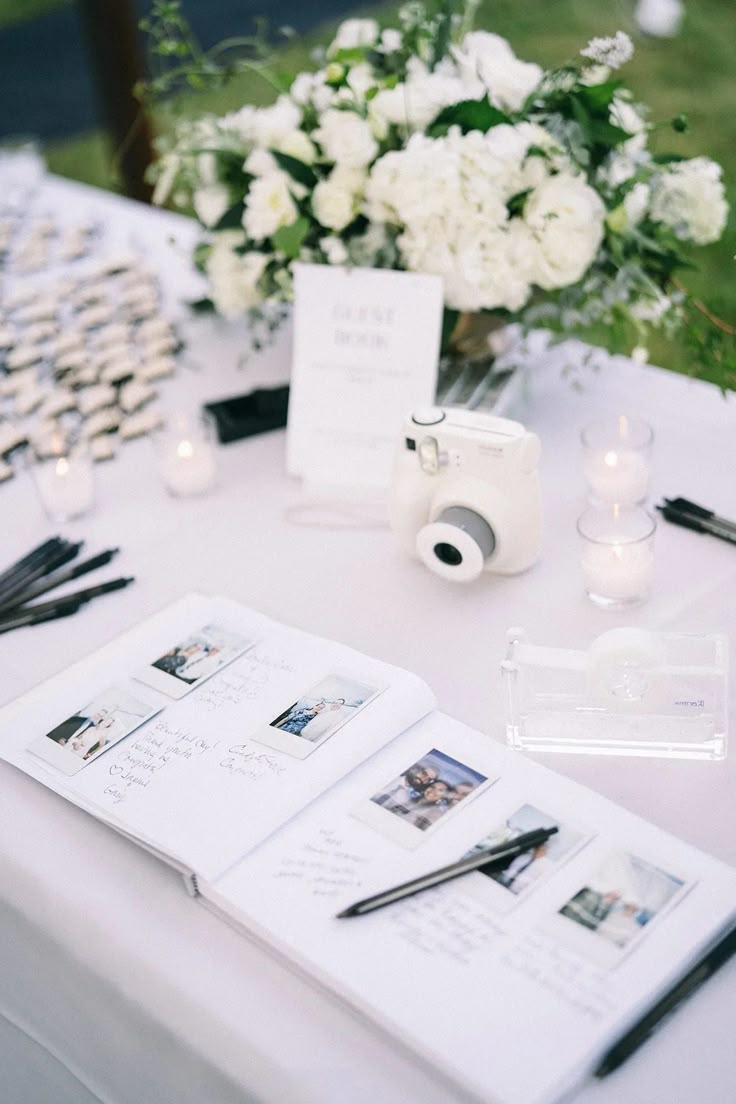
(98, 999)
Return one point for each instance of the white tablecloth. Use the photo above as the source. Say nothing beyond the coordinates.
(114, 985)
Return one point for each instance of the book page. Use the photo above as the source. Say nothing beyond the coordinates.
(511, 983)
(206, 728)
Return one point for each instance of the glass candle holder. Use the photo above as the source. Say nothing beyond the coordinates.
(65, 482)
(617, 555)
(617, 454)
(187, 459)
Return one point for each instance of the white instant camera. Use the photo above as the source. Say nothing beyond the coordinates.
(465, 496)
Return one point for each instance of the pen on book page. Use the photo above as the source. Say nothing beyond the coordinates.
(493, 857)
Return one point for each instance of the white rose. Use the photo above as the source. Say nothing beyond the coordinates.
(234, 278)
(268, 206)
(336, 200)
(210, 203)
(489, 58)
(565, 217)
(298, 145)
(271, 124)
(416, 102)
(353, 33)
(346, 139)
(360, 78)
(390, 41)
(334, 250)
(260, 162)
(689, 196)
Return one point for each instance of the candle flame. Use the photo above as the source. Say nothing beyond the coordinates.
(185, 450)
(62, 466)
(611, 459)
(623, 426)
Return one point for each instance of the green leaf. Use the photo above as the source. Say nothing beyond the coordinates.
(201, 306)
(289, 239)
(468, 115)
(232, 219)
(297, 170)
(598, 96)
(666, 158)
(516, 203)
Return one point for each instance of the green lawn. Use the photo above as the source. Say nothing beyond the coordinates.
(693, 73)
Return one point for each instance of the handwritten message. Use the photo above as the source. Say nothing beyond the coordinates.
(449, 925)
(571, 979)
(324, 866)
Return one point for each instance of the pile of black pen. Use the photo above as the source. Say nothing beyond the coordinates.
(44, 569)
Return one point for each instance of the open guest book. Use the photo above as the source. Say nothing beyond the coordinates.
(287, 777)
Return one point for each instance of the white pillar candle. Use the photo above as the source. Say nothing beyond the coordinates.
(617, 554)
(617, 475)
(616, 453)
(66, 486)
(616, 570)
(188, 466)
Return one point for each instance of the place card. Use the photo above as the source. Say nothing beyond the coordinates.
(366, 350)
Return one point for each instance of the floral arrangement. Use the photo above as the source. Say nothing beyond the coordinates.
(431, 147)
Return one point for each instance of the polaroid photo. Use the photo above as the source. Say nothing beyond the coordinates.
(193, 659)
(410, 806)
(503, 887)
(316, 715)
(614, 907)
(81, 738)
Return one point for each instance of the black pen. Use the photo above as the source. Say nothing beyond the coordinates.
(78, 597)
(630, 1042)
(32, 557)
(49, 583)
(685, 506)
(63, 609)
(700, 525)
(54, 560)
(493, 857)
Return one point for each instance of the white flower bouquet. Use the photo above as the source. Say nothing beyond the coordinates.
(431, 147)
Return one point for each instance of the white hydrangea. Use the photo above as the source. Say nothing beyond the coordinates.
(613, 52)
(353, 33)
(565, 217)
(448, 197)
(689, 196)
(489, 58)
(337, 199)
(346, 139)
(268, 206)
(234, 277)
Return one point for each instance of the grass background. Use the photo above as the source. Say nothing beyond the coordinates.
(692, 73)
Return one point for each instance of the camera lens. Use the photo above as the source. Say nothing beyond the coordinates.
(448, 554)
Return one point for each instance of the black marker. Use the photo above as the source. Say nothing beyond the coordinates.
(656, 1016)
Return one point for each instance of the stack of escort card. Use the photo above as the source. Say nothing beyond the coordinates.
(80, 357)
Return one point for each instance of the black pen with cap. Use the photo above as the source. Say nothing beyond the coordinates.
(493, 858)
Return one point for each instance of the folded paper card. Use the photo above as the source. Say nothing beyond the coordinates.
(366, 350)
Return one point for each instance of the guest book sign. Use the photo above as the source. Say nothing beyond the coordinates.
(366, 348)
